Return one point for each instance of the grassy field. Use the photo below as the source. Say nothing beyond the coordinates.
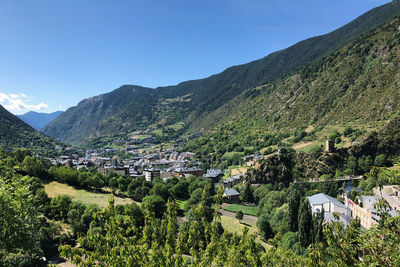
(234, 226)
(245, 209)
(54, 189)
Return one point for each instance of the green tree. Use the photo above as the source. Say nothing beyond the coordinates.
(264, 227)
(305, 224)
(161, 189)
(60, 207)
(294, 204)
(247, 194)
(155, 204)
(20, 222)
(239, 215)
(348, 131)
(381, 160)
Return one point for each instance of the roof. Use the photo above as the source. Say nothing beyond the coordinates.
(231, 192)
(229, 180)
(321, 198)
(328, 217)
(393, 213)
(368, 202)
(237, 177)
(213, 173)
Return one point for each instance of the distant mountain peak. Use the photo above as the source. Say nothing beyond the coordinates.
(38, 120)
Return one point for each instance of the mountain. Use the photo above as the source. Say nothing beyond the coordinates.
(16, 134)
(356, 86)
(193, 103)
(38, 120)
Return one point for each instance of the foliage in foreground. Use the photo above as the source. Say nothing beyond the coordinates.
(204, 243)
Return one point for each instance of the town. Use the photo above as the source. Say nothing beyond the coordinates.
(164, 165)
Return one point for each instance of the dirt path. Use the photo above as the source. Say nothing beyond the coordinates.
(59, 261)
(298, 146)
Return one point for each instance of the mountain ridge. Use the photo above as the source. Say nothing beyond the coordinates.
(199, 98)
(15, 133)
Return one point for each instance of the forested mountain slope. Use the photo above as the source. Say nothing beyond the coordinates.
(357, 85)
(132, 107)
(358, 82)
(15, 133)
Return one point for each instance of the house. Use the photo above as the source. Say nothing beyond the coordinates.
(214, 174)
(364, 210)
(111, 169)
(391, 194)
(228, 183)
(237, 179)
(115, 161)
(151, 174)
(231, 195)
(187, 155)
(180, 172)
(251, 160)
(151, 157)
(344, 218)
(330, 205)
(160, 164)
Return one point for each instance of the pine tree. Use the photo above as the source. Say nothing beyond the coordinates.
(294, 203)
(305, 224)
(318, 227)
(247, 194)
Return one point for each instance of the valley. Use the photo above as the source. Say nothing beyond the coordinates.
(289, 160)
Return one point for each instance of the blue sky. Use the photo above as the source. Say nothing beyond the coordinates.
(55, 53)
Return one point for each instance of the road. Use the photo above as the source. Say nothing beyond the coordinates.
(246, 218)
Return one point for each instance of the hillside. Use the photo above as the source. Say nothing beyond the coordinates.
(193, 102)
(15, 133)
(355, 86)
(38, 120)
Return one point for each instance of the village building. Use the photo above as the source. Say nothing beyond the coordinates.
(214, 174)
(232, 181)
(181, 172)
(151, 174)
(364, 210)
(111, 169)
(231, 195)
(330, 205)
(115, 161)
(151, 157)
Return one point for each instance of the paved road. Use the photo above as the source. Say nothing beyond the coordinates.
(246, 218)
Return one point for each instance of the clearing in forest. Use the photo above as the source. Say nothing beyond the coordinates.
(54, 189)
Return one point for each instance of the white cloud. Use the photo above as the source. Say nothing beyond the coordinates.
(17, 102)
